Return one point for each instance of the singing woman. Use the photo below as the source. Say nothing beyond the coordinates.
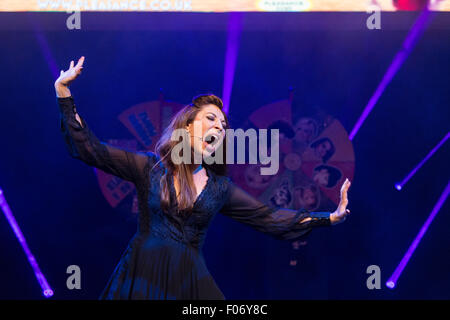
(177, 201)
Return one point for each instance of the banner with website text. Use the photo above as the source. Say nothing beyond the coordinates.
(220, 5)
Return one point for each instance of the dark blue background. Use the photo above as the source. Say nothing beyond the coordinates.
(332, 61)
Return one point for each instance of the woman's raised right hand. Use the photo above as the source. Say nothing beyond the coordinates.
(66, 77)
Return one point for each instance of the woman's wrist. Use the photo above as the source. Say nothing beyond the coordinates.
(333, 218)
(62, 91)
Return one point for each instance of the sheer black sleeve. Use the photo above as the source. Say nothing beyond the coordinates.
(85, 146)
(283, 224)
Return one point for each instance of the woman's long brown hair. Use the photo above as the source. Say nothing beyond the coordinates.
(164, 146)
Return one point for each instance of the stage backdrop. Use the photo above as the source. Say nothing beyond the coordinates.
(135, 79)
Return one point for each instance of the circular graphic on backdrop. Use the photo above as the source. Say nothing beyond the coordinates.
(313, 161)
(145, 121)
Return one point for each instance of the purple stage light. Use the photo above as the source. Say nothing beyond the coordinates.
(233, 36)
(45, 48)
(390, 284)
(412, 37)
(398, 271)
(48, 293)
(46, 290)
(409, 176)
(398, 186)
(47, 54)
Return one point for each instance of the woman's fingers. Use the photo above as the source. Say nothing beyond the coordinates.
(343, 208)
(344, 188)
(79, 66)
(71, 64)
(346, 184)
(342, 212)
(344, 196)
(344, 201)
(80, 62)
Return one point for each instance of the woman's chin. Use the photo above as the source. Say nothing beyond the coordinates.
(207, 153)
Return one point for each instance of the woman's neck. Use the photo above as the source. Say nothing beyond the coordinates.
(197, 167)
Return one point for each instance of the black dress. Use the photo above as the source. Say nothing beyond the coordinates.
(164, 259)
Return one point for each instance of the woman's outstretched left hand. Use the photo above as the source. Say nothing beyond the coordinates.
(341, 212)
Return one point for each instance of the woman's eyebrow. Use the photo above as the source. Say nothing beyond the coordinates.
(215, 116)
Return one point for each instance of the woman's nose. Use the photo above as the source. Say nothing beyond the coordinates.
(219, 126)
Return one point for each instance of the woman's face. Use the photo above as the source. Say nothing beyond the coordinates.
(304, 131)
(322, 177)
(207, 131)
(309, 198)
(322, 149)
(281, 196)
(254, 179)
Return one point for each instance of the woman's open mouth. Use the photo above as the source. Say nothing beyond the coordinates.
(211, 141)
